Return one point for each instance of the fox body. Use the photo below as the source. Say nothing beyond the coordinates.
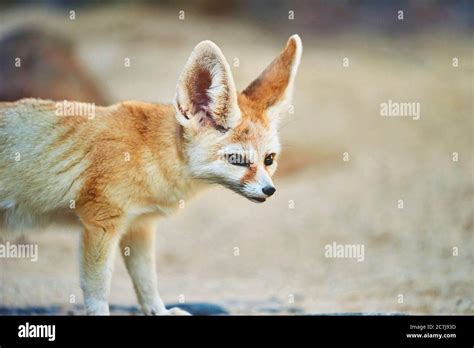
(118, 172)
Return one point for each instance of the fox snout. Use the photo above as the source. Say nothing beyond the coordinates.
(267, 191)
(259, 188)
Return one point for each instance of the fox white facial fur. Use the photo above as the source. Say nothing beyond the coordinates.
(118, 173)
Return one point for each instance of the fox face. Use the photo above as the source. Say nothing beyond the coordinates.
(231, 138)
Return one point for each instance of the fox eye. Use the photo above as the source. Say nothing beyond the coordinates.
(269, 159)
(238, 160)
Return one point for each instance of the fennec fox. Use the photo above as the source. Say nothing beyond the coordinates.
(118, 172)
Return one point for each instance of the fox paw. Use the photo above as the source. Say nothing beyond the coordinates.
(176, 311)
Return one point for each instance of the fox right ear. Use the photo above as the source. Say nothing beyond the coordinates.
(273, 89)
(206, 94)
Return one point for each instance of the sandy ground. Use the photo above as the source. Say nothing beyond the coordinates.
(321, 198)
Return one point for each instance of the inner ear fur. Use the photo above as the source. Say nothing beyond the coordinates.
(206, 89)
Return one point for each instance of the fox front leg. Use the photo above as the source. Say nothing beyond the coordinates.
(138, 249)
(98, 248)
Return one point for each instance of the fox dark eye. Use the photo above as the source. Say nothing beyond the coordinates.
(269, 159)
(238, 160)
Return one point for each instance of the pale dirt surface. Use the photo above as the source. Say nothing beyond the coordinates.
(281, 250)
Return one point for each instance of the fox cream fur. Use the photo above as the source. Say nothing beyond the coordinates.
(118, 172)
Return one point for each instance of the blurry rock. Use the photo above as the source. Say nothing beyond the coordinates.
(49, 69)
(200, 308)
(32, 310)
(193, 308)
(465, 305)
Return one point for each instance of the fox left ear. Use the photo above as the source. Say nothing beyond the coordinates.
(273, 89)
(206, 94)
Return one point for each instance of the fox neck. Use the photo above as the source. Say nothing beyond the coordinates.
(168, 165)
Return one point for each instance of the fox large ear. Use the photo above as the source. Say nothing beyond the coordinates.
(206, 94)
(273, 89)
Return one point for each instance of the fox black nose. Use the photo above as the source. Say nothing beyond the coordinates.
(268, 190)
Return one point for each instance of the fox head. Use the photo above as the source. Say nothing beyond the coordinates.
(231, 138)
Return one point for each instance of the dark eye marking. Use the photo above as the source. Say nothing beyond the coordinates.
(269, 159)
(237, 159)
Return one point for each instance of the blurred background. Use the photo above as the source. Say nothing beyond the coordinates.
(269, 258)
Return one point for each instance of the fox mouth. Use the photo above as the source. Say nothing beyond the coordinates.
(257, 199)
(238, 189)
